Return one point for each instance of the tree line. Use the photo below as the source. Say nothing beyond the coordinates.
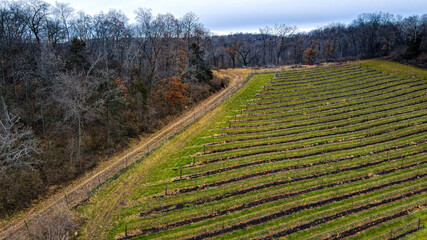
(370, 35)
(75, 88)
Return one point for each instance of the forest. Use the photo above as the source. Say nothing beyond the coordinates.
(76, 88)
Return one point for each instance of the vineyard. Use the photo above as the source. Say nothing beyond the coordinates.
(321, 153)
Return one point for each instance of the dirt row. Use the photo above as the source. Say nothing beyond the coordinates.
(274, 170)
(320, 143)
(301, 87)
(278, 183)
(367, 225)
(174, 207)
(409, 232)
(261, 202)
(245, 165)
(330, 104)
(351, 88)
(344, 213)
(296, 209)
(320, 79)
(295, 77)
(420, 81)
(327, 89)
(226, 169)
(345, 124)
(315, 78)
(284, 150)
(347, 100)
(354, 115)
(312, 137)
(249, 176)
(321, 83)
(342, 80)
(273, 83)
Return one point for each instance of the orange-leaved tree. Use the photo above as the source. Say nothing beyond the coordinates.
(310, 52)
(175, 91)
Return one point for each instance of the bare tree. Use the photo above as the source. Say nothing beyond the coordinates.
(190, 22)
(17, 143)
(53, 227)
(82, 26)
(63, 12)
(151, 42)
(72, 94)
(283, 34)
(247, 53)
(265, 35)
(36, 13)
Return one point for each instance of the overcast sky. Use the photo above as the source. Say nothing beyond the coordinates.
(224, 16)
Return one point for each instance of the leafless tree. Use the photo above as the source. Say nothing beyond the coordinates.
(36, 13)
(63, 12)
(151, 42)
(283, 34)
(72, 94)
(18, 145)
(53, 227)
(82, 26)
(265, 35)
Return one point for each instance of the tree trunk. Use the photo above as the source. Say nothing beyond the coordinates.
(79, 137)
(43, 125)
(5, 111)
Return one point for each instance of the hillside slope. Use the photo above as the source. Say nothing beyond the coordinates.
(76, 192)
(316, 153)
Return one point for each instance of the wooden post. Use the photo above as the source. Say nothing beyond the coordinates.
(180, 173)
(28, 229)
(126, 230)
(66, 199)
(166, 190)
(235, 118)
(419, 223)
